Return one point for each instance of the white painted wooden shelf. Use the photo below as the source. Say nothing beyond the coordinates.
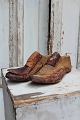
(29, 101)
(2, 116)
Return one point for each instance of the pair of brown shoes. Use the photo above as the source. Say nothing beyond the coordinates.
(42, 69)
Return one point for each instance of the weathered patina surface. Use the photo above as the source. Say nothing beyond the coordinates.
(28, 100)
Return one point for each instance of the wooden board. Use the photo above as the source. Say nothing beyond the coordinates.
(28, 100)
(64, 27)
(36, 19)
(69, 84)
(4, 34)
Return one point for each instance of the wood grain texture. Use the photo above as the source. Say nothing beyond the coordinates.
(56, 24)
(20, 17)
(16, 33)
(59, 108)
(13, 41)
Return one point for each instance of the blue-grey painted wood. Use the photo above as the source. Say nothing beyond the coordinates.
(70, 29)
(36, 16)
(43, 25)
(4, 33)
(31, 17)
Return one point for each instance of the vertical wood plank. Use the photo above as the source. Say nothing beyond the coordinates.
(16, 35)
(43, 25)
(56, 24)
(13, 49)
(4, 34)
(78, 58)
(20, 17)
(36, 20)
(64, 27)
(70, 27)
(30, 27)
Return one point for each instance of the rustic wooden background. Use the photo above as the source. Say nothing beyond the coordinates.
(26, 25)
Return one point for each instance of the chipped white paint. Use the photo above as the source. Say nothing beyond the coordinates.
(27, 15)
(16, 33)
(64, 106)
(60, 12)
(63, 20)
(13, 45)
(56, 24)
(13, 48)
(65, 27)
(20, 17)
(28, 29)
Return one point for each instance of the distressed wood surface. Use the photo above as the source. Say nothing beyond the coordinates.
(28, 100)
(56, 24)
(69, 84)
(16, 32)
(13, 41)
(64, 27)
(25, 40)
(20, 17)
(61, 108)
(24, 29)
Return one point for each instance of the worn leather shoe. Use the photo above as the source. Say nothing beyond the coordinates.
(33, 64)
(53, 71)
